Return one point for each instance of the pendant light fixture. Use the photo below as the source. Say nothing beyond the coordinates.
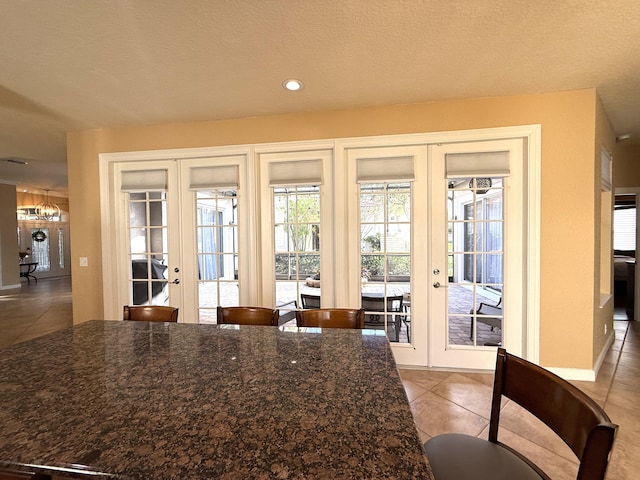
(47, 210)
(481, 185)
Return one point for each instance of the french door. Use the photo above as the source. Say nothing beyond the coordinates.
(46, 243)
(297, 229)
(146, 220)
(387, 218)
(477, 259)
(179, 226)
(213, 222)
(425, 232)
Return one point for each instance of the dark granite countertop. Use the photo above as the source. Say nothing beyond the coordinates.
(185, 401)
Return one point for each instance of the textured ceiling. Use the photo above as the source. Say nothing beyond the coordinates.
(78, 64)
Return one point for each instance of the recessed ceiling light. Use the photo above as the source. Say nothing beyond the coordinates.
(292, 85)
(623, 137)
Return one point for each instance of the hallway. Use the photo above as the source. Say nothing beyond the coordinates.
(36, 309)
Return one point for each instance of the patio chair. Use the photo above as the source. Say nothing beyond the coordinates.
(309, 301)
(372, 302)
(488, 314)
(286, 311)
(406, 318)
(570, 413)
(248, 316)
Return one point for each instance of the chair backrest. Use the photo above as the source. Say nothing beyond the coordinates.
(331, 318)
(309, 301)
(570, 413)
(150, 313)
(248, 316)
(376, 304)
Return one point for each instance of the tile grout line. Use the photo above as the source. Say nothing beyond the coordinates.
(615, 369)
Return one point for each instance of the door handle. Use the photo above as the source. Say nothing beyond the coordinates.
(176, 281)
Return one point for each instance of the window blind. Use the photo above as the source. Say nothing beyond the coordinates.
(214, 177)
(624, 229)
(397, 169)
(144, 180)
(299, 172)
(477, 164)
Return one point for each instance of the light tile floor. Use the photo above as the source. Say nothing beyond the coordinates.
(440, 401)
(460, 402)
(35, 309)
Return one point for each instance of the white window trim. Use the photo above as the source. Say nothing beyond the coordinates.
(188, 238)
(532, 134)
(327, 251)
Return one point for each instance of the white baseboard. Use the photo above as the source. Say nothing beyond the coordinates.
(584, 374)
(581, 374)
(9, 287)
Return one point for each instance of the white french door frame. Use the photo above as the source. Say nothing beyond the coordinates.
(189, 252)
(339, 245)
(120, 264)
(531, 136)
(111, 213)
(415, 352)
(442, 353)
(299, 151)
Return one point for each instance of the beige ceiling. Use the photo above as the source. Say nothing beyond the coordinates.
(80, 64)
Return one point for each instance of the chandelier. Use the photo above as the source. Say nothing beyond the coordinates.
(47, 211)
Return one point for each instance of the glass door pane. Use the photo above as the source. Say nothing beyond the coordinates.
(475, 248)
(385, 258)
(478, 223)
(148, 248)
(40, 249)
(297, 246)
(217, 251)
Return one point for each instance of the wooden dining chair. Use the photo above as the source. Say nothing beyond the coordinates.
(150, 313)
(248, 316)
(571, 414)
(331, 318)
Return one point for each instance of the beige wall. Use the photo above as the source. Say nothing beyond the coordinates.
(28, 199)
(9, 270)
(626, 165)
(568, 203)
(603, 235)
